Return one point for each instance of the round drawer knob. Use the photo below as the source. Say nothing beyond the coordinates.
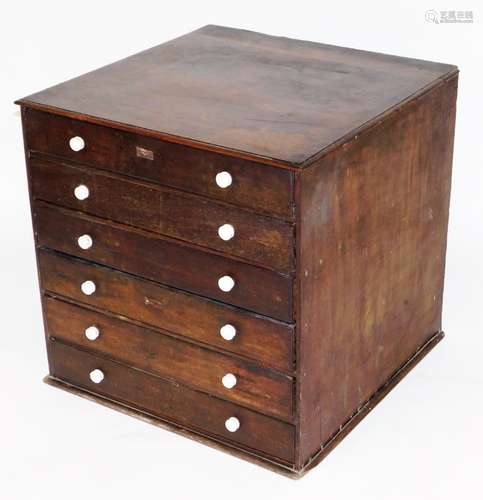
(223, 179)
(226, 232)
(81, 192)
(97, 376)
(77, 143)
(232, 424)
(228, 332)
(92, 332)
(229, 381)
(226, 283)
(84, 241)
(88, 287)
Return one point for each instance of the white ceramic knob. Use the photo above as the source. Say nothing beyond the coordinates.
(84, 241)
(223, 179)
(232, 424)
(228, 332)
(229, 381)
(97, 376)
(77, 143)
(226, 232)
(92, 332)
(88, 287)
(81, 192)
(226, 283)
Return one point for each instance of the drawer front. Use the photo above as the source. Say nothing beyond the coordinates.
(144, 254)
(258, 388)
(259, 187)
(258, 239)
(265, 340)
(175, 403)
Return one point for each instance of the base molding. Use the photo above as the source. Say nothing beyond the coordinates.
(372, 402)
(244, 454)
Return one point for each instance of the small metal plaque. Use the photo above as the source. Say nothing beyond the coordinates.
(144, 153)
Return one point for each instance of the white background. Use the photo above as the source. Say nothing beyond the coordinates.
(423, 441)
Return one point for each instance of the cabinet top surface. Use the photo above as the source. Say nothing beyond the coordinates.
(266, 97)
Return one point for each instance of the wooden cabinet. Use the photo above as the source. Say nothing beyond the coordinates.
(242, 236)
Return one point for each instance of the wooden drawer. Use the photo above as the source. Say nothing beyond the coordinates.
(259, 187)
(258, 239)
(147, 255)
(173, 402)
(258, 388)
(258, 337)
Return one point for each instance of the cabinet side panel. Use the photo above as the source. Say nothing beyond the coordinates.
(372, 227)
(24, 116)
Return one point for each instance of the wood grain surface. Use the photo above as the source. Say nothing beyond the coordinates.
(258, 187)
(257, 238)
(372, 243)
(269, 97)
(147, 255)
(193, 409)
(264, 390)
(181, 313)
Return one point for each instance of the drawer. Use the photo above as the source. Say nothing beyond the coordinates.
(257, 337)
(209, 371)
(173, 402)
(258, 187)
(145, 254)
(258, 239)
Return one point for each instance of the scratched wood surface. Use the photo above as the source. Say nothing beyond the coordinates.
(372, 242)
(146, 349)
(270, 97)
(145, 254)
(265, 189)
(172, 401)
(175, 311)
(257, 238)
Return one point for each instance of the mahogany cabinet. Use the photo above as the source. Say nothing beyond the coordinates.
(242, 237)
